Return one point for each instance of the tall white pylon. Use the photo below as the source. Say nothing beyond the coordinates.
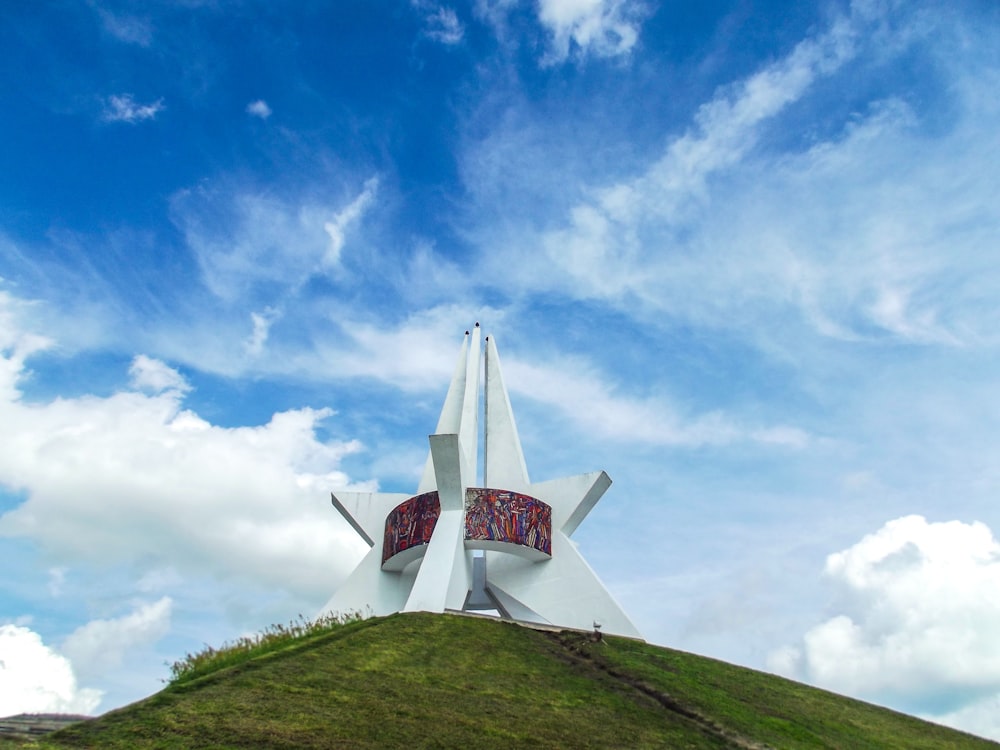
(422, 546)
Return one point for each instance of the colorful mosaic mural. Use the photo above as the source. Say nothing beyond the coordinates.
(505, 516)
(410, 524)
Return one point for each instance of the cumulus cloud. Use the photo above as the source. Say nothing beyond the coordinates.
(980, 717)
(153, 376)
(259, 109)
(34, 678)
(135, 477)
(919, 622)
(124, 108)
(100, 645)
(16, 344)
(604, 28)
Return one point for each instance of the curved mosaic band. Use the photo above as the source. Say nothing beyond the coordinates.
(500, 520)
(501, 517)
(409, 527)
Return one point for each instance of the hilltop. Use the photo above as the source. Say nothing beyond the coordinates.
(423, 680)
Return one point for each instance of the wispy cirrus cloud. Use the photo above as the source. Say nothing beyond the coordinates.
(441, 23)
(252, 240)
(418, 354)
(337, 227)
(126, 28)
(591, 403)
(262, 322)
(845, 233)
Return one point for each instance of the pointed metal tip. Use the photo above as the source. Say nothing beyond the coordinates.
(477, 324)
(487, 338)
(466, 333)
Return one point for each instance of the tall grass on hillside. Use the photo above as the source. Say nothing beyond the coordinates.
(272, 638)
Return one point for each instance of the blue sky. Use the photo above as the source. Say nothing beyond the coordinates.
(742, 256)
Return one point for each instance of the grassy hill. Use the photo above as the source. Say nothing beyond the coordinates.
(422, 680)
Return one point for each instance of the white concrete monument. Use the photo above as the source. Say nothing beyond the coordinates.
(454, 546)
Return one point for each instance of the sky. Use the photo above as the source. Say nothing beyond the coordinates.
(741, 255)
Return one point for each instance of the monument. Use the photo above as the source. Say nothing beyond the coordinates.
(456, 546)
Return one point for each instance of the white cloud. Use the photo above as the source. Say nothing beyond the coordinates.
(495, 12)
(604, 28)
(587, 400)
(919, 626)
(600, 250)
(248, 241)
(125, 28)
(100, 645)
(420, 354)
(158, 579)
(338, 226)
(440, 22)
(154, 376)
(16, 344)
(414, 355)
(262, 322)
(259, 109)
(57, 579)
(980, 717)
(124, 108)
(36, 679)
(136, 478)
(843, 233)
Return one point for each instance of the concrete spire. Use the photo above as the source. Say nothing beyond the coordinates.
(503, 458)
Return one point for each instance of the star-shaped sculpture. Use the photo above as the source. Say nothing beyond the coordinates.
(423, 546)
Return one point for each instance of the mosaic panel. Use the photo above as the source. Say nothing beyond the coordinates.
(505, 516)
(410, 524)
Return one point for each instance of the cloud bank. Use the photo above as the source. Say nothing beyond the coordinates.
(34, 678)
(136, 478)
(918, 623)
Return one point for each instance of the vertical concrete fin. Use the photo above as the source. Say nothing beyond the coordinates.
(451, 413)
(445, 574)
(446, 457)
(468, 432)
(504, 465)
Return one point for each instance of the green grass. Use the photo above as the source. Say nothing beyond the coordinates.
(421, 680)
(273, 638)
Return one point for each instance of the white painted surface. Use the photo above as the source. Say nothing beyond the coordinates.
(504, 460)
